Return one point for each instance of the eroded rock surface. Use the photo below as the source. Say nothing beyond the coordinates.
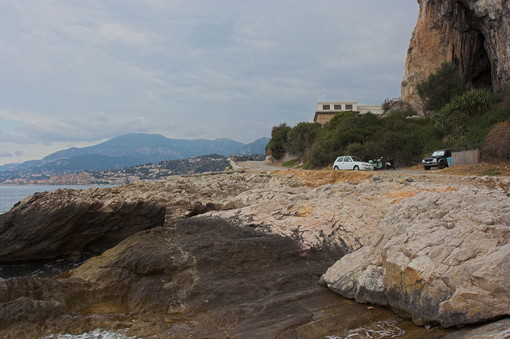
(471, 34)
(202, 278)
(438, 258)
(65, 222)
(240, 255)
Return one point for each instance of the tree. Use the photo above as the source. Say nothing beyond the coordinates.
(277, 144)
(440, 87)
(301, 137)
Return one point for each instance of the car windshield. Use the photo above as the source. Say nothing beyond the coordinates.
(438, 154)
(356, 159)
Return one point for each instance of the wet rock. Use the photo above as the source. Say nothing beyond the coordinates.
(204, 277)
(35, 300)
(496, 330)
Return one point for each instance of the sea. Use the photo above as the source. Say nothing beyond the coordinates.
(11, 194)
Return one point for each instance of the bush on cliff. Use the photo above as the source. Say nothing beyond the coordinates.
(468, 118)
(440, 87)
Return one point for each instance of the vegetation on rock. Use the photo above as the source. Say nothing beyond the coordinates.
(459, 120)
(277, 144)
(440, 87)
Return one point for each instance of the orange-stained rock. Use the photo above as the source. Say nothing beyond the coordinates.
(471, 34)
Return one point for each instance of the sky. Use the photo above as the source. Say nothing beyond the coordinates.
(74, 73)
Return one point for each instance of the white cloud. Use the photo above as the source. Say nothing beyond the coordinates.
(87, 71)
(5, 154)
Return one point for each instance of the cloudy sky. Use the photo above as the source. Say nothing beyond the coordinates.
(75, 73)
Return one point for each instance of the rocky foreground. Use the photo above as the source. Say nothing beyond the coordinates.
(242, 254)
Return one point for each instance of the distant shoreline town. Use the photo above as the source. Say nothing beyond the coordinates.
(127, 175)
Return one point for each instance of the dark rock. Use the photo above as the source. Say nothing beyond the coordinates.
(203, 278)
(65, 222)
(496, 330)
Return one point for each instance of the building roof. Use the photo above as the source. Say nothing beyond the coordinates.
(326, 110)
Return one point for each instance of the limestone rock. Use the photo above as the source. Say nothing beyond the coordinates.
(471, 34)
(438, 257)
(240, 254)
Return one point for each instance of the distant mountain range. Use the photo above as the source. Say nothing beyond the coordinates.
(131, 150)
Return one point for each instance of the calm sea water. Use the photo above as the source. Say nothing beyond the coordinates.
(11, 194)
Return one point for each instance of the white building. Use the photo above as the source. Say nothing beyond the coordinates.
(327, 110)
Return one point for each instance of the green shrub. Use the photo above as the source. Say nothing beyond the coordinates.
(490, 172)
(358, 150)
(440, 87)
(300, 138)
(291, 163)
(277, 144)
(463, 123)
(471, 102)
(323, 150)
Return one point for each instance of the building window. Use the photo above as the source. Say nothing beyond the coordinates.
(348, 106)
(338, 106)
(325, 106)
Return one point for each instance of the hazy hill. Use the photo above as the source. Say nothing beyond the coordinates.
(133, 149)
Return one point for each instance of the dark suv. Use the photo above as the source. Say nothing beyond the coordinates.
(439, 159)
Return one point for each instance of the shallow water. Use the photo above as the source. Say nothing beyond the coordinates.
(380, 329)
(45, 269)
(95, 334)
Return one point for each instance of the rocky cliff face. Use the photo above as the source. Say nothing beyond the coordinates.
(472, 34)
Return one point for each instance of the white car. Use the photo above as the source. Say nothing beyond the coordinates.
(348, 162)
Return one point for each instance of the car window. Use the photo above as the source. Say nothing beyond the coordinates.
(339, 159)
(438, 154)
(357, 159)
(347, 159)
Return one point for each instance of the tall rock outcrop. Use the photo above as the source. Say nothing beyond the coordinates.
(474, 35)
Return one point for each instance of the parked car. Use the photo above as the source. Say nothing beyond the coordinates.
(348, 162)
(440, 159)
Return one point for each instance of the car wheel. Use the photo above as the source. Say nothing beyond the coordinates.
(336, 167)
(356, 168)
(426, 168)
(441, 165)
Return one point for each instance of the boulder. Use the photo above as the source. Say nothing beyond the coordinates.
(438, 258)
(66, 222)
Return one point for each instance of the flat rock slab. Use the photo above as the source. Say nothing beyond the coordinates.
(205, 278)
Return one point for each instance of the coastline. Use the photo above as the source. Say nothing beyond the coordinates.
(308, 218)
